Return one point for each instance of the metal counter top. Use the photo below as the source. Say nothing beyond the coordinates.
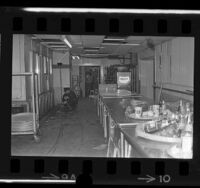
(144, 147)
(117, 110)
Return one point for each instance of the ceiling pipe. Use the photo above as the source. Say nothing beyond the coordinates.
(41, 43)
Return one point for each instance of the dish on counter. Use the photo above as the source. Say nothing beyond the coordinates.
(143, 117)
(166, 134)
(176, 152)
(148, 115)
(137, 102)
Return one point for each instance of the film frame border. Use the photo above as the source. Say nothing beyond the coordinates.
(16, 22)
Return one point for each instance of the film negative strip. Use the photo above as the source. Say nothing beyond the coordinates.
(111, 61)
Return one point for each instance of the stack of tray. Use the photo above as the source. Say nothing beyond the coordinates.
(22, 122)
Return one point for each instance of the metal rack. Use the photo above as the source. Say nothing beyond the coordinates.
(35, 106)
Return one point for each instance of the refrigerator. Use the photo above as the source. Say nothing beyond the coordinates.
(124, 80)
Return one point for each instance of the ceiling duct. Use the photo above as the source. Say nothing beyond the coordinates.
(115, 40)
(94, 49)
(51, 40)
(114, 57)
(90, 55)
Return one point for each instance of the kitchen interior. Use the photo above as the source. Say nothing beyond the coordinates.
(134, 96)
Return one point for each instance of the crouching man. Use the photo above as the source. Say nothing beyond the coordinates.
(70, 99)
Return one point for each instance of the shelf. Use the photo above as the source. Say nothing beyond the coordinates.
(186, 92)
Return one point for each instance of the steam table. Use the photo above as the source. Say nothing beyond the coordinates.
(119, 130)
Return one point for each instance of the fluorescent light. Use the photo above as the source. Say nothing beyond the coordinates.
(95, 54)
(51, 42)
(118, 44)
(111, 39)
(67, 42)
(95, 50)
(107, 10)
(78, 57)
(55, 46)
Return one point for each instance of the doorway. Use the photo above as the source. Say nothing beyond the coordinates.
(92, 78)
(89, 79)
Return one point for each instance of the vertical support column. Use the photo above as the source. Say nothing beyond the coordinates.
(37, 100)
(60, 82)
(125, 148)
(70, 70)
(122, 144)
(154, 80)
(129, 150)
(108, 120)
(33, 102)
(104, 121)
(109, 138)
(100, 112)
(135, 72)
(131, 70)
(97, 106)
(137, 75)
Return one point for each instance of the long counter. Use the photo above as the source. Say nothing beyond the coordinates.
(119, 130)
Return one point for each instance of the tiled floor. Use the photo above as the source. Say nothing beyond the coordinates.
(65, 134)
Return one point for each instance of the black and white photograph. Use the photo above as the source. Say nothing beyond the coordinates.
(102, 96)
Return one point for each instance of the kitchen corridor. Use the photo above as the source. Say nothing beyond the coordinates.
(76, 133)
(144, 86)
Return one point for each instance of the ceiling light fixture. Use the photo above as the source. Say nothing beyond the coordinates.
(66, 41)
(89, 50)
(50, 42)
(75, 57)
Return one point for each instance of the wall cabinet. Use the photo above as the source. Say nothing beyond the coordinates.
(186, 66)
(175, 61)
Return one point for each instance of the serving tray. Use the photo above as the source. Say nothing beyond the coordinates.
(139, 131)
